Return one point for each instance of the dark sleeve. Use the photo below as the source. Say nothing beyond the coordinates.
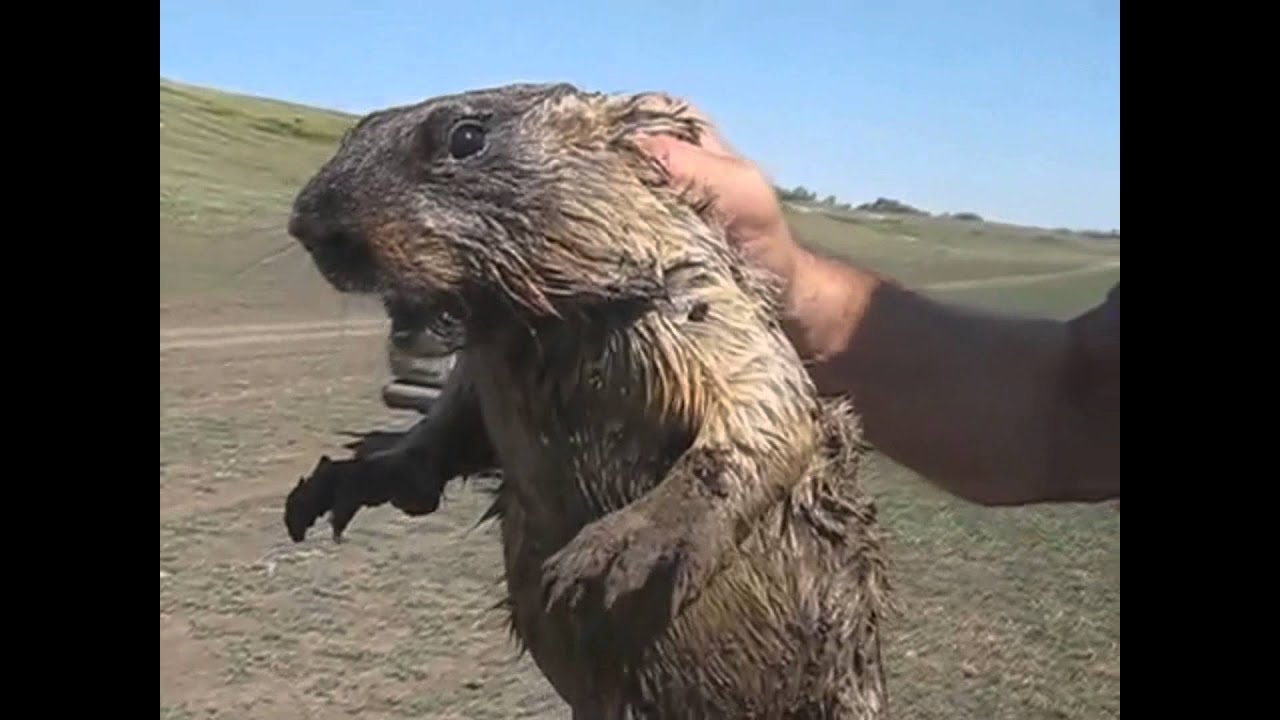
(1093, 366)
(1113, 308)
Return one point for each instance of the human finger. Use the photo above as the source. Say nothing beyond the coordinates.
(690, 164)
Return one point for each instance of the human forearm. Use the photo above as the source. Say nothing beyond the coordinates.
(976, 402)
(1000, 410)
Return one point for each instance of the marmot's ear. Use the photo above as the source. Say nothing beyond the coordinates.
(654, 113)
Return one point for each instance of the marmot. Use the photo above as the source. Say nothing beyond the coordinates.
(684, 532)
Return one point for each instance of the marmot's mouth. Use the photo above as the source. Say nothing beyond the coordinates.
(412, 317)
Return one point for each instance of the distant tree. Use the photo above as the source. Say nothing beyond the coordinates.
(798, 194)
(802, 194)
(889, 205)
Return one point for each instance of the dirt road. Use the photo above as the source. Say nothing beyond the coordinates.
(1023, 279)
(218, 336)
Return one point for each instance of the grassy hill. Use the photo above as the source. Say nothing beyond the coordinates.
(230, 165)
(1007, 613)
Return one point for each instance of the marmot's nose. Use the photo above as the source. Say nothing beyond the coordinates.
(310, 223)
(332, 238)
(303, 227)
(325, 237)
(323, 232)
(314, 221)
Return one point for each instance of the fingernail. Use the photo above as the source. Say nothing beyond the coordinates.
(656, 149)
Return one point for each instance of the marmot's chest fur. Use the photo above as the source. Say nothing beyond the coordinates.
(587, 416)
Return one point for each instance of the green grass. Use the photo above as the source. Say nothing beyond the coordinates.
(923, 250)
(1053, 297)
(225, 157)
(229, 167)
(1008, 613)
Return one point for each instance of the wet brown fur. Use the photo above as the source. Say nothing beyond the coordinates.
(684, 531)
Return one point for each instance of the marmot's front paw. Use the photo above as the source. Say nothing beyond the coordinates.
(330, 488)
(626, 561)
(342, 487)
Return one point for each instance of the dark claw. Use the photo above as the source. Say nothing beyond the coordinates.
(309, 499)
(293, 522)
(339, 519)
(560, 591)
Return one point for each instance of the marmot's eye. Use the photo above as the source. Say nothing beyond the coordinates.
(467, 139)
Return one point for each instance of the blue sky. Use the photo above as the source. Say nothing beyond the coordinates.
(1008, 109)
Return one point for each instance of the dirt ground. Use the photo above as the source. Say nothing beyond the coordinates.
(1007, 615)
(395, 622)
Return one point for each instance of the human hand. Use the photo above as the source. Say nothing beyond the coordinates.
(742, 196)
